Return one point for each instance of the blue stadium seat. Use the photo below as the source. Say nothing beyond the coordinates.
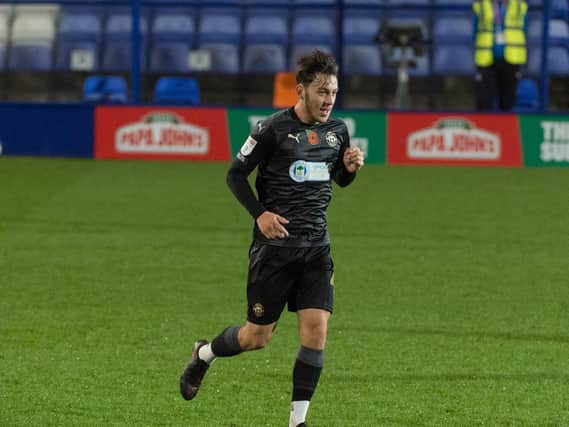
(557, 60)
(527, 96)
(558, 31)
(367, 3)
(224, 57)
(79, 39)
(328, 3)
(177, 90)
(215, 3)
(316, 28)
(410, 2)
(265, 2)
(454, 2)
(172, 38)
(453, 59)
(453, 28)
(560, 8)
(105, 89)
(117, 50)
(361, 59)
(221, 25)
(264, 58)
(360, 27)
(266, 27)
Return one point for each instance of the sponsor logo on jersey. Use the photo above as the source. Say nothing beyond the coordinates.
(295, 137)
(302, 171)
(455, 139)
(162, 132)
(248, 146)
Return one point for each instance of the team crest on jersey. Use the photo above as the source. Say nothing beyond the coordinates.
(312, 137)
(332, 139)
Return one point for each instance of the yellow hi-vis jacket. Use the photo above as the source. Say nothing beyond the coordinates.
(515, 50)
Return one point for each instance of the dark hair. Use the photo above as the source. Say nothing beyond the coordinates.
(313, 63)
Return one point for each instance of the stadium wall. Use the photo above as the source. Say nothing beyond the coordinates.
(216, 134)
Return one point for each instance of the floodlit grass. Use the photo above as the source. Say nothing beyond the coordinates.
(451, 298)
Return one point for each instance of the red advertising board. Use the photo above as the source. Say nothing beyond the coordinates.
(453, 139)
(161, 133)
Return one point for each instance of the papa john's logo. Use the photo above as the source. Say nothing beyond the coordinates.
(162, 133)
(453, 139)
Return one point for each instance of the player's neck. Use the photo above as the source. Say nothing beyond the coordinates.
(302, 113)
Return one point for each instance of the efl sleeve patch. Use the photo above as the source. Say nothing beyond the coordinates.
(248, 146)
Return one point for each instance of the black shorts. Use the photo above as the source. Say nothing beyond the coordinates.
(301, 277)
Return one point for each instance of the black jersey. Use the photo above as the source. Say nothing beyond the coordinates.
(296, 162)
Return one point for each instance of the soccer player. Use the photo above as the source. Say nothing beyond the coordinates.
(297, 151)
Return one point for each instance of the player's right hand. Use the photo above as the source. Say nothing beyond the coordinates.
(272, 225)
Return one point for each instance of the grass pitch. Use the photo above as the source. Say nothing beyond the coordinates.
(451, 298)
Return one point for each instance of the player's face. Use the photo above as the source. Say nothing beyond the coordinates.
(319, 97)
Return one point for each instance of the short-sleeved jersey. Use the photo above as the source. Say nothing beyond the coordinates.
(296, 162)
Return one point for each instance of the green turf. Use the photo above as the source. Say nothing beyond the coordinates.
(451, 298)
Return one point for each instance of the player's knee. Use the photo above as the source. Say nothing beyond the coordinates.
(316, 331)
(256, 340)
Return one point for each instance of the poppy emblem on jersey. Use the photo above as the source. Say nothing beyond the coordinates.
(258, 310)
(312, 137)
(331, 139)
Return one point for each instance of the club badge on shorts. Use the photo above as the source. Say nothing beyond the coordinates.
(258, 310)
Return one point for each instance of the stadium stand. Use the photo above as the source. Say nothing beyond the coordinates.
(256, 38)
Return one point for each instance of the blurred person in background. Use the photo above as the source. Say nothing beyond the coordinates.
(500, 28)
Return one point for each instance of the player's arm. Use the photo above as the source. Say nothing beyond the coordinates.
(253, 151)
(350, 160)
(257, 148)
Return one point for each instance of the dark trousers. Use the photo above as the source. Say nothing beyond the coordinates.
(498, 82)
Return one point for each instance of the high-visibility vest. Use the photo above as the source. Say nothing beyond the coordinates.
(515, 50)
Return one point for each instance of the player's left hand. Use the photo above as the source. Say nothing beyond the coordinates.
(353, 159)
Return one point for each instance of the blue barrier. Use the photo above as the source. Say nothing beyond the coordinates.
(54, 130)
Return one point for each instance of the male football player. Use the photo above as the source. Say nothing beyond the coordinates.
(298, 152)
